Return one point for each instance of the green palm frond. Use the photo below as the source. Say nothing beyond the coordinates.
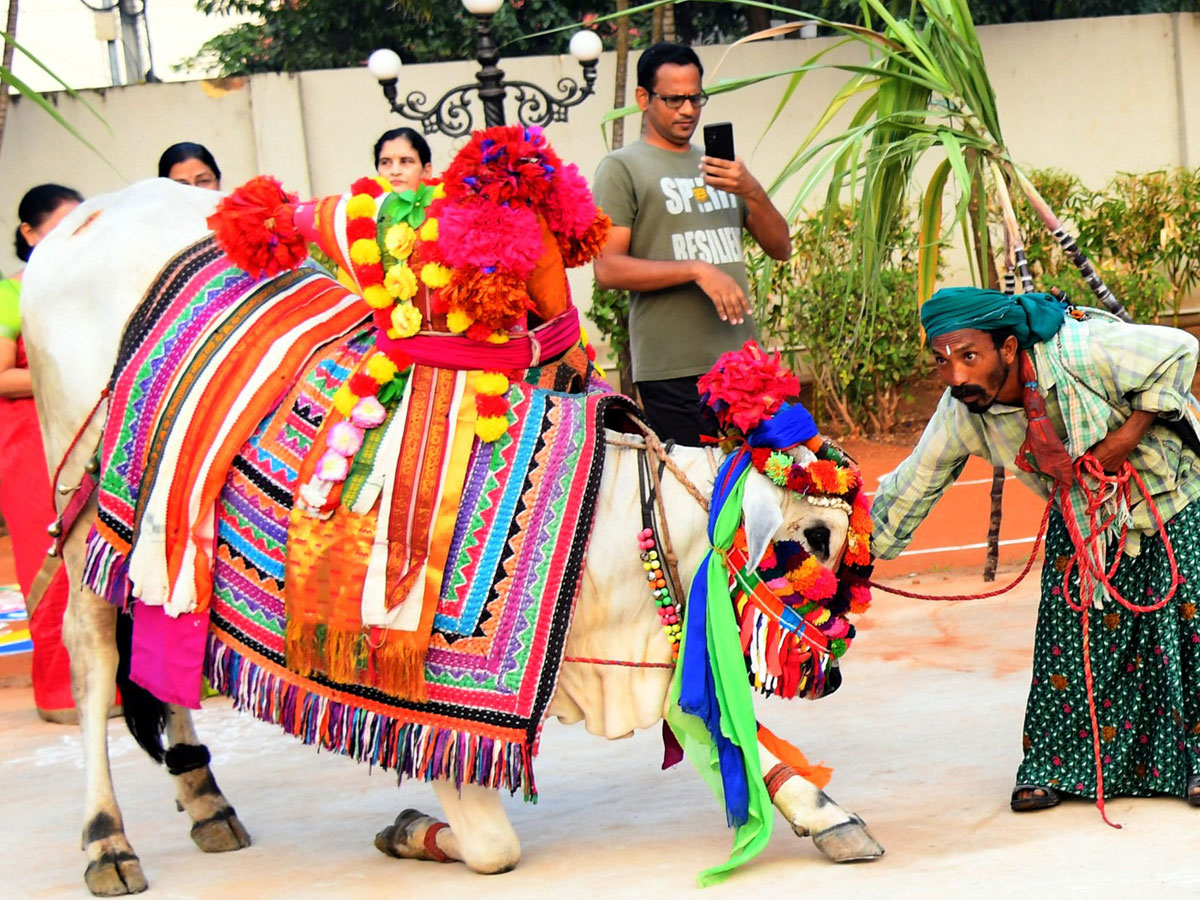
(8, 79)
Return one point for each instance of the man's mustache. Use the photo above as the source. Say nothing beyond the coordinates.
(966, 392)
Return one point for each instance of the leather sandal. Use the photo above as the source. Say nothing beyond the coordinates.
(1193, 790)
(1026, 797)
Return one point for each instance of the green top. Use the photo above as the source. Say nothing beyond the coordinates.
(10, 308)
(1093, 374)
(672, 215)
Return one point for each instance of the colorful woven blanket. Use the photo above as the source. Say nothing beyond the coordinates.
(207, 354)
(512, 573)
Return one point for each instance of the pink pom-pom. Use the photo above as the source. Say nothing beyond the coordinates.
(345, 438)
(332, 466)
(368, 413)
(836, 627)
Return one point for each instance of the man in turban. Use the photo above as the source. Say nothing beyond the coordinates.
(1034, 385)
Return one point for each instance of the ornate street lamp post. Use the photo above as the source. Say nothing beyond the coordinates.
(451, 114)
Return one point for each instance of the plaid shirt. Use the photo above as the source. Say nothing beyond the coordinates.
(1092, 374)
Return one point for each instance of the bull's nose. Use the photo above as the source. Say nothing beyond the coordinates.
(817, 539)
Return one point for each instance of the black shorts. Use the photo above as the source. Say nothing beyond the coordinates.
(675, 412)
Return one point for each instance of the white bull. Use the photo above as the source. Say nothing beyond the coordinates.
(80, 288)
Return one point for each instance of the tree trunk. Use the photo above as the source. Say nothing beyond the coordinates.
(622, 76)
(11, 30)
(668, 29)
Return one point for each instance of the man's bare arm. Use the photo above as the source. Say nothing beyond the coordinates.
(764, 222)
(615, 269)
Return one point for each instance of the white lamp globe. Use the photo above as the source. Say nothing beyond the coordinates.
(384, 64)
(482, 7)
(586, 46)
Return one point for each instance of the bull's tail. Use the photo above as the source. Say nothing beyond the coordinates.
(145, 714)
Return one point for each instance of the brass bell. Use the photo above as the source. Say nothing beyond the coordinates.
(54, 529)
(53, 551)
(93, 465)
(65, 488)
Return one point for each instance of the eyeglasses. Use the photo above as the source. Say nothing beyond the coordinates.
(675, 101)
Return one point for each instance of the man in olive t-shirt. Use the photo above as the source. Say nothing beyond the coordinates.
(676, 243)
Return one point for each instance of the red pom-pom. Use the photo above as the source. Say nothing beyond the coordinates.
(382, 319)
(368, 186)
(401, 359)
(479, 332)
(487, 405)
(255, 227)
(363, 385)
(745, 387)
(362, 227)
(372, 273)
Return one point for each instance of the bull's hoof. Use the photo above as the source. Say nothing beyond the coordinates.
(848, 842)
(412, 836)
(115, 874)
(220, 833)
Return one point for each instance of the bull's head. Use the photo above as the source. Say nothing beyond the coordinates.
(772, 513)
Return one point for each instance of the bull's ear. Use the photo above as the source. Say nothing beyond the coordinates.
(763, 516)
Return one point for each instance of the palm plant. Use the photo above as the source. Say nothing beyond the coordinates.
(8, 79)
(923, 89)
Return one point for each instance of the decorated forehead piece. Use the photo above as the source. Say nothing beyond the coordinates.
(749, 391)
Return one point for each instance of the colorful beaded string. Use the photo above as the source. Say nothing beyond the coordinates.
(669, 612)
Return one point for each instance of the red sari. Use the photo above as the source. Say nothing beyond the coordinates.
(27, 504)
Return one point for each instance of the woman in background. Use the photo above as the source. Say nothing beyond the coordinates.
(26, 499)
(402, 157)
(192, 164)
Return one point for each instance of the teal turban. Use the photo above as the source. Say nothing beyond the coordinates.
(1031, 317)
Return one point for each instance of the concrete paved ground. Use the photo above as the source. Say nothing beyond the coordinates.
(924, 738)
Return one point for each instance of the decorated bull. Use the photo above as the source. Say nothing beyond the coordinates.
(399, 514)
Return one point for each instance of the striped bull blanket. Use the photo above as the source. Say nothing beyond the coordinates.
(206, 355)
(512, 573)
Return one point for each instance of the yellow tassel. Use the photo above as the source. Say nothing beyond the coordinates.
(489, 428)
(493, 384)
(361, 206)
(458, 321)
(377, 296)
(381, 368)
(344, 400)
(435, 275)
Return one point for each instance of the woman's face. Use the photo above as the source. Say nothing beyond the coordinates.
(33, 236)
(196, 173)
(400, 164)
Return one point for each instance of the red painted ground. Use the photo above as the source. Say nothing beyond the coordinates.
(955, 534)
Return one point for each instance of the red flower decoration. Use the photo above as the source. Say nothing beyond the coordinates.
(363, 384)
(368, 186)
(487, 405)
(747, 386)
(360, 228)
(254, 226)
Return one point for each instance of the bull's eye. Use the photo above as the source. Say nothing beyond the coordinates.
(817, 539)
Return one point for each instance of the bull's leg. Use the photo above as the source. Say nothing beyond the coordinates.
(89, 631)
(215, 825)
(478, 834)
(840, 835)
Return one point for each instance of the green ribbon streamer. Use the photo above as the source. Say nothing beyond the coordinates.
(738, 722)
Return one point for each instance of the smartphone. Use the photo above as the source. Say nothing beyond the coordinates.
(718, 140)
